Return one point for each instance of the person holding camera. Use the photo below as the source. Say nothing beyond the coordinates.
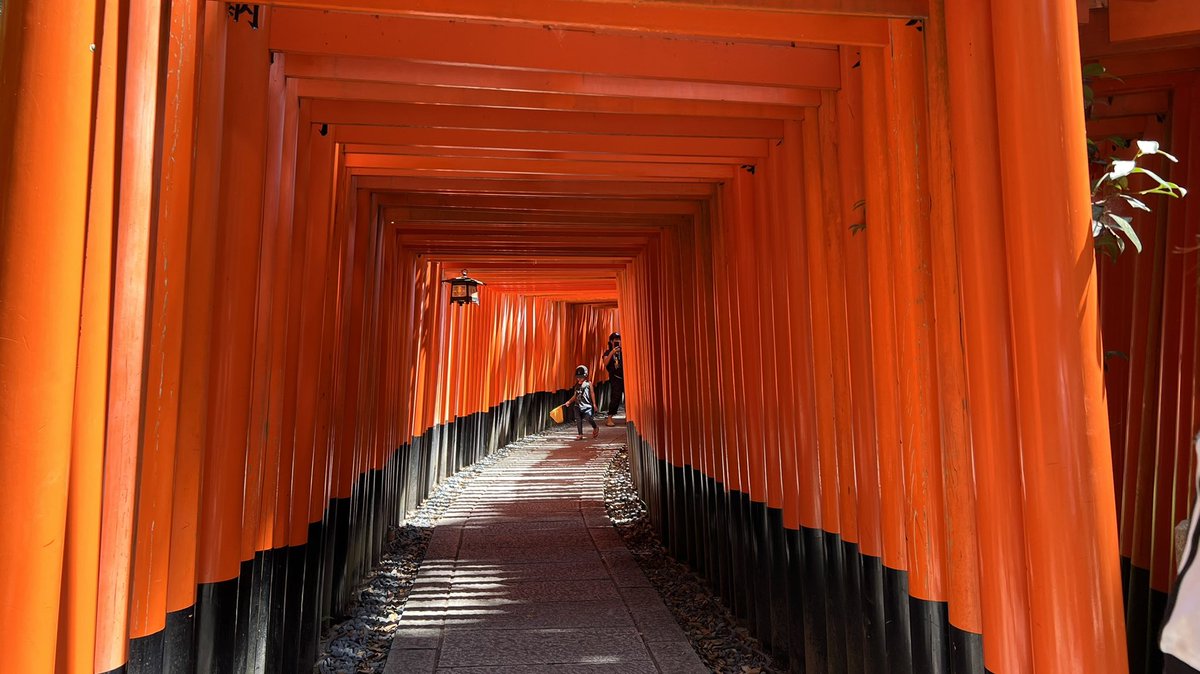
(616, 376)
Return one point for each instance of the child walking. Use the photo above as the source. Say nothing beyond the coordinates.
(582, 400)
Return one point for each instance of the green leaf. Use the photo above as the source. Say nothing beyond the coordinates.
(1094, 70)
(1116, 354)
(1110, 245)
(1126, 228)
(1166, 192)
(1088, 95)
(1118, 141)
(1135, 202)
(1164, 186)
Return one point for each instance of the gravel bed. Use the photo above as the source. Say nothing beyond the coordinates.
(359, 643)
(721, 641)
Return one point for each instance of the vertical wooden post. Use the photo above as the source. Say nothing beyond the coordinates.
(152, 537)
(879, 228)
(239, 221)
(986, 327)
(77, 635)
(1074, 588)
(45, 132)
(136, 221)
(958, 470)
(195, 369)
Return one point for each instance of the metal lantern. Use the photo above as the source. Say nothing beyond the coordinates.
(464, 289)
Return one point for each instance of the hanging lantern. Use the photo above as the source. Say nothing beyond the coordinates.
(464, 289)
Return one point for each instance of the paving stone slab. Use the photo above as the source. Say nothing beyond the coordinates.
(655, 625)
(638, 598)
(637, 667)
(572, 522)
(534, 570)
(606, 538)
(677, 657)
(571, 554)
(487, 539)
(474, 648)
(624, 568)
(564, 614)
(411, 661)
(529, 575)
(416, 638)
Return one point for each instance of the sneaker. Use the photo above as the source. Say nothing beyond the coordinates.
(609, 422)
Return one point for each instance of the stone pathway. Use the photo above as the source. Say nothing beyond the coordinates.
(526, 573)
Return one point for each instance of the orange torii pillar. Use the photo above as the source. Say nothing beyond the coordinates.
(1047, 517)
(236, 283)
(46, 111)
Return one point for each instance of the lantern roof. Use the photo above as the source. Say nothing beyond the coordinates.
(464, 279)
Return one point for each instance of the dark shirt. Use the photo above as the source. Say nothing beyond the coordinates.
(583, 396)
(615, 367)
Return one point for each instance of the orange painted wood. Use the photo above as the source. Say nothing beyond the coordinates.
(81, 556)
(1075, 593)
(521, 100)
(434, 74)
(241, 202)
(1134, 20)
(913, 296)
(273, 268)
(883, 326)
(995, 445)
(809, 495)
(125, 456)
(165, 299)
(198, 316)
(521, 48)
(40, 297)
(850, 160)
(903, 8)
(613, 192)
(958, 468)
(832, 205)
(376, 113)
(666, 19)
(822, 339)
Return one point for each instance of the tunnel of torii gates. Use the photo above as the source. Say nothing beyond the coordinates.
(847, 244)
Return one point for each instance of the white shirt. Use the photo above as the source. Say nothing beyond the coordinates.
(1181, 627)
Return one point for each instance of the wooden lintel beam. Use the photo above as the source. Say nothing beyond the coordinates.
(540, 166)
(521, 100)
(355, 148)
(812, 21)
(385, 187)
(537, 223)
(535, 141)
(482, 174)
(305, 31)
(350, 68)
(411, 115)
(540, 203)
